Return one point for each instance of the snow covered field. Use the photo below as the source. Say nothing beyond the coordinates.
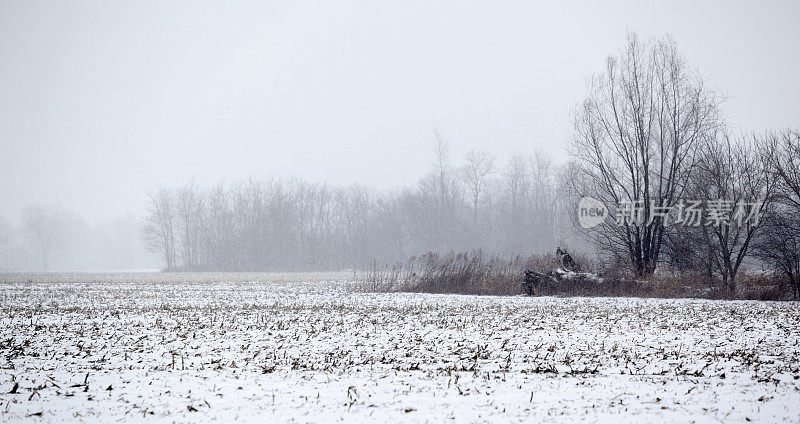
(320, 348)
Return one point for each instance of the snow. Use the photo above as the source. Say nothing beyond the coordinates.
(319, 348)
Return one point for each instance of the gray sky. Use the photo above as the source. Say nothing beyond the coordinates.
(100, 102)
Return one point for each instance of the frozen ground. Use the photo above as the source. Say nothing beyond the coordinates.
(268, 347)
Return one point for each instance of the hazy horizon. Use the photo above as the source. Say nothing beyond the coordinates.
(100, 103)
(415, 211)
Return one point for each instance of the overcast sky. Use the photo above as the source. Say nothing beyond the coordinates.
(102, 101)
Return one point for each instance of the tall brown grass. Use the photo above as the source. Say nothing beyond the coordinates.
(478, 273)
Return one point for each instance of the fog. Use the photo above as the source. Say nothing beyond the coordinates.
(102, 103)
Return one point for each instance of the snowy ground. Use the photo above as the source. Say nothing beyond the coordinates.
(258, 348)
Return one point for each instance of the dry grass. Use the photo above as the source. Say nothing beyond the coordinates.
(481, 274)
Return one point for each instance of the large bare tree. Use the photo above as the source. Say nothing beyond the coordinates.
(635, 139)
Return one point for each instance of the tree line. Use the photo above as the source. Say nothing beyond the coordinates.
(290, 224)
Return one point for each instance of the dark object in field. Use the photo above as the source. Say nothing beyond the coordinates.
(533, 280)
(529, 282)
(566, 272)
(565, 261)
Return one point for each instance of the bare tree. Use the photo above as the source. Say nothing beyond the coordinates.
(783, 155)
(778, 244)
(478, 167)
(544, 200)
(734, 174)
(441, 150)
(354, 207)
(779, 241)
(189, 212)
(441, 192)
(635, 139)
(159, 229)
(517, 179)
(218, 236)
(515, 226)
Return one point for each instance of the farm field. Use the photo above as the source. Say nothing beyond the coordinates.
(321, 347)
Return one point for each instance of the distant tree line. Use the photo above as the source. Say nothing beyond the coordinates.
(289, 224)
